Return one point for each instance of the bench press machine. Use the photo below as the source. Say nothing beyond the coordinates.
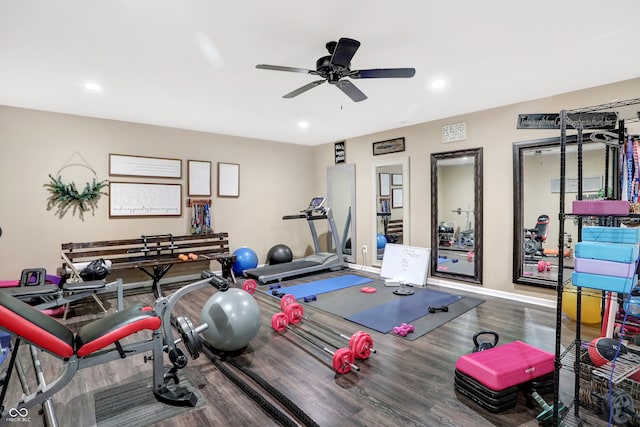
(99, 342)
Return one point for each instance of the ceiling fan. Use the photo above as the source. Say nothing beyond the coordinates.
(334, 68)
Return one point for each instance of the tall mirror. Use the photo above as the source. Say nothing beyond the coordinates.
(536, 202)
(456, 215)
(341, 197)
(391, 206)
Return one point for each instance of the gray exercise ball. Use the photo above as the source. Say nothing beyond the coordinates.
(233, 318)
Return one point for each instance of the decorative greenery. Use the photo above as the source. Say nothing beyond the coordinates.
(66, 196)
(602, 195)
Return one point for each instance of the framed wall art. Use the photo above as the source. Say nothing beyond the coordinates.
(150, 167)
(198, 178)
(228, 179)
(133, 199)
(388, 146)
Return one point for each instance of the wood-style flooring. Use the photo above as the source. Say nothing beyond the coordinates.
(405, 383)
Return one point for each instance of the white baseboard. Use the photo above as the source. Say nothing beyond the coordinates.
(473, 289)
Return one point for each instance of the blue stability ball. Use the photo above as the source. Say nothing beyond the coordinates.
(382, 241)
(246, 258)
(233, 318)
(279, 254)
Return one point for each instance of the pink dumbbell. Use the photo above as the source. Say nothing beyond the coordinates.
(403, 329)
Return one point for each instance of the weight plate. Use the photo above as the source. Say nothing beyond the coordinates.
(279, 322)
(361, 344)
(618, 407)
(190, 338)
(294, 312)
(530, 247)
(342, 360)
(249, 285)
(286, 300)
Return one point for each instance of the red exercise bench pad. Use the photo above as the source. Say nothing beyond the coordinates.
(109, 329)
(35, 327)
(507, 365)
(41, 330)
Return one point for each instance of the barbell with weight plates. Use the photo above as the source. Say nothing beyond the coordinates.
(190, 336)
(342, 359)
(360, 342)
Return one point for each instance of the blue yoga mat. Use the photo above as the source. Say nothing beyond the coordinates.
(404, 309)
(326, 285)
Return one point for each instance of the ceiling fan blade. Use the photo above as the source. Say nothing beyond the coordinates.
(289, 69)
(383, 73)
(304, 88)
(344, 51)
(351, 90)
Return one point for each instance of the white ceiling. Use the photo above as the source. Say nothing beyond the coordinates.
(191, 64)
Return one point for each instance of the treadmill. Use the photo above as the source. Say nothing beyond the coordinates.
(319, 261)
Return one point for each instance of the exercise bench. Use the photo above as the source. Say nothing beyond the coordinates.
(154, 255)
(99, 342)
(45, 296)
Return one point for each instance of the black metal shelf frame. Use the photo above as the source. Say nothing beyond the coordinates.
(576, 119)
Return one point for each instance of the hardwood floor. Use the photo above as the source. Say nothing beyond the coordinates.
(406, 383)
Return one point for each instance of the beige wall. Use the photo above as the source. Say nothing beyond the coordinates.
(495, 130)
(276, 179)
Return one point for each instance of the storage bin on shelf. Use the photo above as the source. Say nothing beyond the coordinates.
(601, 207)
(606, 259)
(606, 283)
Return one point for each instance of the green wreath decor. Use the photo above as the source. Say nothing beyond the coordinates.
(66, 196)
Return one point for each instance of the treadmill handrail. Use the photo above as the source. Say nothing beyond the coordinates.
(299, 216)
(307, 217)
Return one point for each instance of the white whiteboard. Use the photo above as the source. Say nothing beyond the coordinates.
(408, 264)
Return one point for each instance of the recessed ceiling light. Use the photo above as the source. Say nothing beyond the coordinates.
(93, 87)
(303, 125)
(438, 84)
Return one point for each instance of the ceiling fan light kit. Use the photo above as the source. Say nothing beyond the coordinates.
(335, 69)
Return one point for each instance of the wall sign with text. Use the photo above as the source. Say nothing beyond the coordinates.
(340, 152)
(454, 132)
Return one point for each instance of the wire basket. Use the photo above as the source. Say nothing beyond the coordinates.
(593, 384)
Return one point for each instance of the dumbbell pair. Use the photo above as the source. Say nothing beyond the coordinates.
(403, 329)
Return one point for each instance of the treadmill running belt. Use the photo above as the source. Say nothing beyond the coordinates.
(286, 267)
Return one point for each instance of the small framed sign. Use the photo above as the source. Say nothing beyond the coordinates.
(455, 132)
(388, 146)
(340, 152)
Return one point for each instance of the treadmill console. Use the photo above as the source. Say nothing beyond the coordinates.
(316, 203)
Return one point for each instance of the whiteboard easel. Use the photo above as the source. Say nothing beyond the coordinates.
(406, 264)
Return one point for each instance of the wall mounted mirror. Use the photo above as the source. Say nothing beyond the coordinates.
(536, 166)
(390, 206)
(456, 215)
(341, 197)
